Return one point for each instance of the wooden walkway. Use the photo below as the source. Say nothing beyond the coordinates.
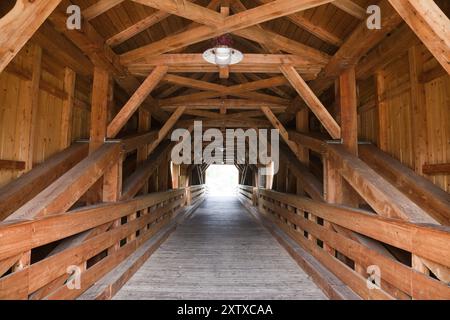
(220, 252)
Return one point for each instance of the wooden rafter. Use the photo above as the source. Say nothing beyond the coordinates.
(430, 24)
(237, 104)
(351, 8)
(312, 101)
(93, 45)
(356, 46)
(99, 8)
(312, 28)
(235, 22)
(241, 90)
(166, 128)
(135, 101)
(282, 130)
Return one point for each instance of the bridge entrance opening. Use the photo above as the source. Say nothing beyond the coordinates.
(222, 180)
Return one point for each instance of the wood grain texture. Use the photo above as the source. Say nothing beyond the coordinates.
(220, 253)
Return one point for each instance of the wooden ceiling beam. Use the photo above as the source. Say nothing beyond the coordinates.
(186, 9)
(312, 101)
(217, 90)
(386, 52)
(273, 42)
(91, 43)
(304, 23)
(430, 24)
(252, 63)
(282, 130)
(249, 86)
(351, 8)
(356, 46)
(166, 128)
(273, 39)
(20, 24)
(273, 10)
(99, 8)
(230, 104)
(135, 101)
(196, 59)
(227, 123)
(138, 27)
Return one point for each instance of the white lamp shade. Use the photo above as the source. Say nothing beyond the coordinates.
(223, 56)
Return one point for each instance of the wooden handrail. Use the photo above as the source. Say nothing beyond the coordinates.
(425, 241)
(19, 237)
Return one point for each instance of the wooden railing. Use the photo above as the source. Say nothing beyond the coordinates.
(46, 240)
(309, 222)
(247, 194)
(94, 257)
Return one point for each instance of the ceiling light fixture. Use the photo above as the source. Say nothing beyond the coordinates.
(223, 55)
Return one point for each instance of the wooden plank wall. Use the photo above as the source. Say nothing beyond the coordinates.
(398, 130)
(14, 107)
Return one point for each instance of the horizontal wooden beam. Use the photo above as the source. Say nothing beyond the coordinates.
(232, 23)
(232, 104)
(253, 63)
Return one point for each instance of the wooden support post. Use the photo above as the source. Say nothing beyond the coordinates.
(144, 125)
(112, 191)
(176, 170)
(67, 108)
(163, 176)
(99, 109)
(348, 108)
(302, 125)
(99, 118)
(419, 108)
(382, 112)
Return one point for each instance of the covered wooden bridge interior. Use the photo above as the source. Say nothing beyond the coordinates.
(88, 191)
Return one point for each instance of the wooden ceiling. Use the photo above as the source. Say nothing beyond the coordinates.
(128, 25)
(285, 43)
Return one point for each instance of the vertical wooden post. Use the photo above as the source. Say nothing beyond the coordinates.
(67, 108)
(349, 114)
(99, 108)
(99, 119)
(30, 114)
(419, 110)
(163, 176)
(112, 191)
(302, 125)
(144, 125)
(281, 177)
(175, 176)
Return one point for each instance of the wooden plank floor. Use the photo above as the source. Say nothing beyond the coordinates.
(220, 252)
